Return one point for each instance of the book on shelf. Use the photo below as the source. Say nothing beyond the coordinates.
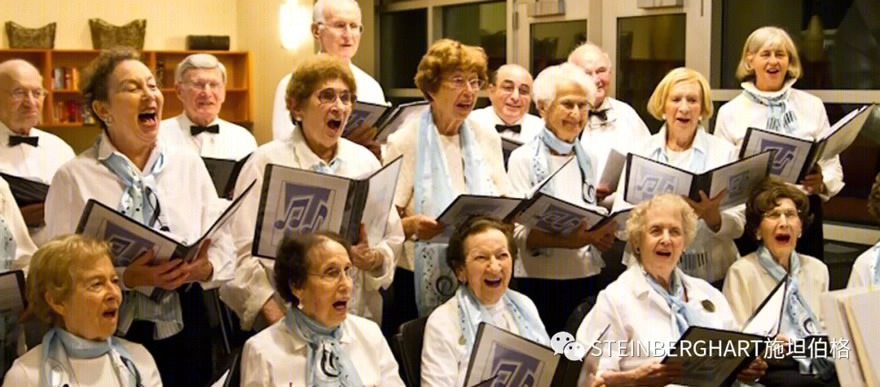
(65, 78)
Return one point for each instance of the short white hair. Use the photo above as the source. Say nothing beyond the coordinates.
(582, 51)
(321, 5)
(545, 85)
(198, 61)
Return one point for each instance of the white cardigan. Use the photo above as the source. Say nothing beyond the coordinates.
(862, 273)
(737, 115)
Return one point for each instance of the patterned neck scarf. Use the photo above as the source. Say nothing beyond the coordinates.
(685, 314)
(327, 363)
(781, 117)
(7, 246)
(540, 168)
(471, 312)
(877, 268)
(59, 345)
(432, 192)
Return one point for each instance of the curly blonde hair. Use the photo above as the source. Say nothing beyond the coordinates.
(52, 271)
(446, 56)
(638, 219)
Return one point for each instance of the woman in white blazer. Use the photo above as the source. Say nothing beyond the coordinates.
(654, 301)
(683, 101)
(866, 269)
(775, 215)
(768, 69)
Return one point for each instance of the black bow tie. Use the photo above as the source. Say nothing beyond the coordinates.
(195, 129)
(30, 140)
(602, 114)
(513, 128)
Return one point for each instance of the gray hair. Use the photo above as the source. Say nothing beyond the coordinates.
(321, 5)
(545, 85)
(582, 50)
(198, 61)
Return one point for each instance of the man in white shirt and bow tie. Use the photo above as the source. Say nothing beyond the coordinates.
(611, 123)
(200, 81)
(511, 96)
(25, 151)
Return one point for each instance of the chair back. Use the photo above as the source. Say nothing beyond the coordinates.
(409, 345)
(568, 372)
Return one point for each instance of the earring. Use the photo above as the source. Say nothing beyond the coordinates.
(108, 120)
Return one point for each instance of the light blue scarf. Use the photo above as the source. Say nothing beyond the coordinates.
(685, 314)
(7, 324)
(471, 312)
(328, 169)
(877, 267)
(432, 192)
(327, 364)
(780, 118)
(139, 202)
(59, 345)
(7, 245)
(540, 168)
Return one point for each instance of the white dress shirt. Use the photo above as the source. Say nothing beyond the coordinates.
(95, 372)
(748, 284)
(188, 200)
(404, 141)
(232, 143)
(710, 253)
(552, 263)
(34, 163)
(530, 125)
(24, 247)
(637, 314)
(862, 273)
(368, 90)
(445, 358)
(741, 113)
(277, 357)
(253, 283)
(623, 131)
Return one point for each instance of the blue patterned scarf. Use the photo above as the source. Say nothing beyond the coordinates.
(432, 192)
(59, 345)
(471, 312)
(685, 314)
(781, 117)
(540, 167)
(327, 364)
(7, 323)
(7, 245)
(877, 267)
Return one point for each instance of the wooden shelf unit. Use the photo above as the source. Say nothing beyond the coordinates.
(237, 108)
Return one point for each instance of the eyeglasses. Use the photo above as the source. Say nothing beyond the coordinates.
(334, 274)
(571, 105)
(509, 89)
(460, 82)
(211, 85)
(777, 214)
(343, 27)
(328, 96)
(20, 94)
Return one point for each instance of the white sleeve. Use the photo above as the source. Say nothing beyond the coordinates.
(601, 315)
(439, 364)
(282, 126)
(391, 249)
(254, 369)
(24, 246)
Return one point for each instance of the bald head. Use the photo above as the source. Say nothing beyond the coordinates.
(21, 95)
(511, 93)
(596, 64)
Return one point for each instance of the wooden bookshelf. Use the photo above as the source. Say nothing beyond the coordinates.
(237, 108)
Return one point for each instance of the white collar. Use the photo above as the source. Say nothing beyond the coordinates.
(658, 141)
(299, 343)
(750, 87)
(307, 157)
(106, 148)
(186, 123)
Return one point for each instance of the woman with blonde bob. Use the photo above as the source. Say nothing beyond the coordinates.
(556, 270)
(654, 300)
(73, 286)
(683, 101)
(768, 69)
(444, 154)
(866, 269)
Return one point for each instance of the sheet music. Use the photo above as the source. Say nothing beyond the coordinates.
(613, 169)
(556, 216)
(380, 201)
(297, 201)
(521, 361)
(713, 368)
(791, 153)
(398, 117)
(842, 134)
(765, 321)
(364, 114)
(128, 239)
(648, 178)
(740, 179)
(465, 206)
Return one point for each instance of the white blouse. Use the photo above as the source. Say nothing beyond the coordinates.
(277, 357)
(862, 273)
(96, 372)
(636, 314)
(748, 284)
(24, 246)
(403, 142)
(36, 163)
(253, 282)
(737, 115)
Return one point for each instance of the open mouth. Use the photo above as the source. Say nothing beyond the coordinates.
(783, 238)
(341, 305)
(464, 105)
(683, 120)
(205, 104)
(110, 313)
(665, 254)
(148, 118)
(334, 124)
(773, 71)
(493, 283)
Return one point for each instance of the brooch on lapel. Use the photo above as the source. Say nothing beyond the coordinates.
(708, 305)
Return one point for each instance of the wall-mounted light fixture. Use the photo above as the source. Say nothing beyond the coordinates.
(294, 22)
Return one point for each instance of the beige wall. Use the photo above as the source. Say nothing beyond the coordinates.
(168, 21)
